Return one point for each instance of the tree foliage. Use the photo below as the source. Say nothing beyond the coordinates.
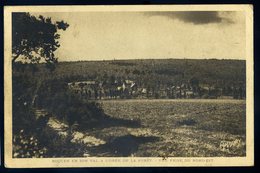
(35, 39)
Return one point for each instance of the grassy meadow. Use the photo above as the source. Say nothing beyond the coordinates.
(173, 128)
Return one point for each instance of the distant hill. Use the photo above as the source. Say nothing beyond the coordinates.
(200, 78)
(166, 71)
(212, 72)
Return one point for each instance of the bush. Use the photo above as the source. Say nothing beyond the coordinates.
(44, 143)
(27, 146)
(66, 106)
(205, 96)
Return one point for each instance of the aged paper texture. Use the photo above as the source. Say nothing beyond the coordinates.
(128, 86)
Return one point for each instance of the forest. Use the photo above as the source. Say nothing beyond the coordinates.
(152, 78)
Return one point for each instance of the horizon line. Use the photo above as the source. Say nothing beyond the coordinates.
(153, 59)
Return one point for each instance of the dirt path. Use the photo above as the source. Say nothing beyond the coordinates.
(63, 129)
(77, 137)
(106, 141)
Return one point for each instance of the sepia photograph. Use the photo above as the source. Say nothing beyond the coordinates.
(162, 85)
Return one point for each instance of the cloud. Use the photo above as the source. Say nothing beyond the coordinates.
(195, 17)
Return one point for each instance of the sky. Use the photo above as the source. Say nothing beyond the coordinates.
(151, 35)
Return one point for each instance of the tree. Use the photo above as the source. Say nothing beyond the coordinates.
(194, 82)
(35, 39)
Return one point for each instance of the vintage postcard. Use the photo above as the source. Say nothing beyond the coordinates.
(128, 86)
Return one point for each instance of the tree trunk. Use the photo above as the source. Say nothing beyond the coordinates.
(15, 57)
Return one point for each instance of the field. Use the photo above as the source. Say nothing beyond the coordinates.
(172, 128)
